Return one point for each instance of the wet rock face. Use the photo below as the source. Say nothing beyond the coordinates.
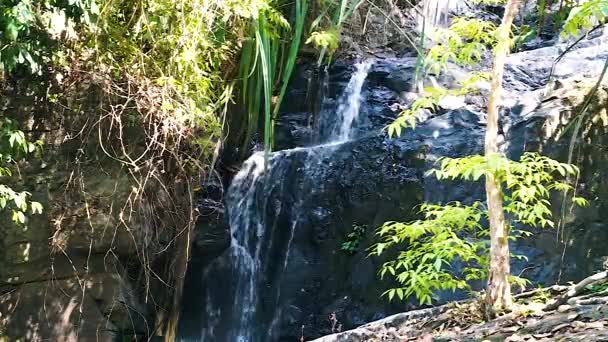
(365, 182)
(310, 286)
(319, 194)
(312, 212)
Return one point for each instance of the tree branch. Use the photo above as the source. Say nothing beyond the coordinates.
(576, 289)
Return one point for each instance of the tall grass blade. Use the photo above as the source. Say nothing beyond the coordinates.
(420, 57)
(340, 15)
(247, 59)
(266, 64)
(301, 9)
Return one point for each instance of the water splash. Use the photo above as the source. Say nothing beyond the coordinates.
(244, 248)
(436, 13)
(349, 105)
(234, 311)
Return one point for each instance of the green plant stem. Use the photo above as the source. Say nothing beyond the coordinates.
(301, 9)
(266, 62)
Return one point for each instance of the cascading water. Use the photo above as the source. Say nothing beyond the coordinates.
(435, 13)
(350, 103)
(246, 309)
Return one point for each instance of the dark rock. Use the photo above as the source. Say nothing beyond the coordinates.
(313, 196)
(580, 323)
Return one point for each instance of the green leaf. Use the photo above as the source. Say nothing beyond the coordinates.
(580, 201)
(391, 294)
(11, 31)
(36, 208)
(18, 216)
(437, 264)
(400, 293)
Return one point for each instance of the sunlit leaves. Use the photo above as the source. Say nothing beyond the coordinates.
(408, 118)
(327, 39)
(584, 15)
(433, 244)
(325, 29)
(454, 232)
(36, 207)
(464, 42)
(26, 26)
(471, 83)
(580, 201)
(18, 203)
(527, 184)
(13, 147)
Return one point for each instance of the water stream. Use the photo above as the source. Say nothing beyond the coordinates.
(436, 13)
(350, 103)
(247, 309)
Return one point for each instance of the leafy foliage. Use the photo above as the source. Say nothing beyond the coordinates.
(583, 16)
(325, 29)
(353, 239)
(454, 233)
(430, 100)
(464, 42)
(30, 28)
(13, 147)
(28, 41)
(528, 183)
(327, 39)
(433, 245)
(191, 53)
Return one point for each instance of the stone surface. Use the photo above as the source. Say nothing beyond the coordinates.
(527, 323)
(66, 275)
(374, 179)
(59, 276)
(85, 308)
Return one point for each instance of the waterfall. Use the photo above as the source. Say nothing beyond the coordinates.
(247, 309)
(436, 13)
(350, 102)
(245, 245)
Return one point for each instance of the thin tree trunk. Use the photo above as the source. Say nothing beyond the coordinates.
(498, 296)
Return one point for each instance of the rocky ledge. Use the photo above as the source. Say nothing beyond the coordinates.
(558, 313)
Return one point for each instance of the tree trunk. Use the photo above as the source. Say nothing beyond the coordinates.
(498, 296)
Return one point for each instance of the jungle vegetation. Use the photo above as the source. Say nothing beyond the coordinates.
(193, 76)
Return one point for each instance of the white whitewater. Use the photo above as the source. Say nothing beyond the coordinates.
(350, 103)
(252, 238)
(436, 13)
